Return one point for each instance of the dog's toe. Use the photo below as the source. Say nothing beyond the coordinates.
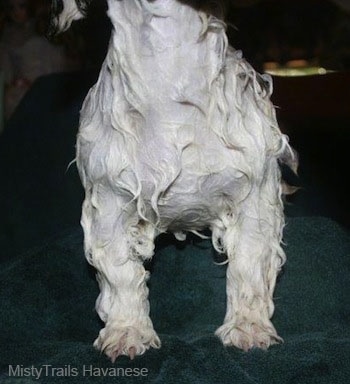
(248, 336)
(129, 341)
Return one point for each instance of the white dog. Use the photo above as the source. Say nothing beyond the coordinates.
(178, 134)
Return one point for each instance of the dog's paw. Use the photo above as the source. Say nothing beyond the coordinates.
(247, 336)
(130, 341)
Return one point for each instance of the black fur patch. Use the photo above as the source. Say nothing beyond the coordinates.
(83, 5)
(57, 7)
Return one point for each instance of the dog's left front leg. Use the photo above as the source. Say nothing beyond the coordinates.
(252, 241)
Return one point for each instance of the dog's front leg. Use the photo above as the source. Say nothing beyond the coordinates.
(124, 307)
(252, 241)
(117, 249)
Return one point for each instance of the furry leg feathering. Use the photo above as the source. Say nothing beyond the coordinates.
(178, 134)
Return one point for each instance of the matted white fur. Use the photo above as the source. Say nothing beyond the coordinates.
(178, 134)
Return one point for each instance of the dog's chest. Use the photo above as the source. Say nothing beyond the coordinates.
(187, 176)
(157, 143)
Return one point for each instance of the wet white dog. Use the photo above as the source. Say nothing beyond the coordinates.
(178, 134)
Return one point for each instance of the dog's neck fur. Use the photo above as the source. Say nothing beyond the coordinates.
(158, 42)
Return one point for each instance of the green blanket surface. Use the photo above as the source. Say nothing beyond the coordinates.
(48, 295)
(48, 322)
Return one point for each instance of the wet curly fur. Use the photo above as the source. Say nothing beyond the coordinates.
(178, 134)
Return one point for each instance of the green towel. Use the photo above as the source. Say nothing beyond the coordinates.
(47, 316)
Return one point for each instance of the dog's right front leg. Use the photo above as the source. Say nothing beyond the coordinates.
(113, 247)
(124, 307)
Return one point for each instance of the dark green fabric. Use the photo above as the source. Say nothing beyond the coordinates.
(48, 290)
(48, 298)
(40, 196)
